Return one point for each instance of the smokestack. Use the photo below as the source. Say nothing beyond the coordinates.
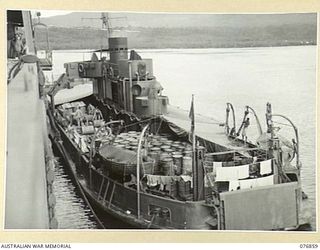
(118, 47)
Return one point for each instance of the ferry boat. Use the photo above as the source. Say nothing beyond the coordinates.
(154, 166)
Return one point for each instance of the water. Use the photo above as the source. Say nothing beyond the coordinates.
(284, 76)
(71, 210)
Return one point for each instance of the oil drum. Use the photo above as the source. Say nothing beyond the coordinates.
(155, 149)
(177, 161)
(164, 147)
(155, 156)
(180, 148)
(156, 144)
(169, 150)
(167, 166)
(164, 155)
(87, 130)
(188, 153)
(186, 165)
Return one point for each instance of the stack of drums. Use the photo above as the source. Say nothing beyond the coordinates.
(171, 157)
(118, 142)
(128, 140)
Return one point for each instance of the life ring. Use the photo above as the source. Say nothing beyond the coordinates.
(81, 68)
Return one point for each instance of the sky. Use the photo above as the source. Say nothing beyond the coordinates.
(48, 13)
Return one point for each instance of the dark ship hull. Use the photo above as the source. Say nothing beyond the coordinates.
(111, 198)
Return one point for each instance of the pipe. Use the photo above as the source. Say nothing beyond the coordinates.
(194, 155)
(218, 217)
(257, 119)
(233, 151)
(227, 120)
(243, 122)
(124, 93)
(138, 169)
(52, 104)
(233, 116)
(130, 86)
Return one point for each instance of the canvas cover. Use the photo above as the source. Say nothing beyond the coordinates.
(118, 155)
(209, 131)
(263, 208)
(69, 95)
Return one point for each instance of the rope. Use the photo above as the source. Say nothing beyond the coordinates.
(14, 71)
(159, 127)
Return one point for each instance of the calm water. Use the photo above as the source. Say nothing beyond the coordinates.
(71, 210)
(284, 76)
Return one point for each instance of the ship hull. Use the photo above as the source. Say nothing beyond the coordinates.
(116, 204)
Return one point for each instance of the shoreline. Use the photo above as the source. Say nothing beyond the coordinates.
(91, 50)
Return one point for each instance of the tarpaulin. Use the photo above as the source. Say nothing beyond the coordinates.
(262, 208)
(209, 131)
(73, 94)
(118, 155)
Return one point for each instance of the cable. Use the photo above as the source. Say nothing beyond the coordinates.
(284, 124)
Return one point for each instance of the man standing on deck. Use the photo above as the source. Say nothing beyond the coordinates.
(78, 115)
(246, 124)
(17, 45)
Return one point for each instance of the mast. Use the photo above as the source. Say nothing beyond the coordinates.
(139, 162)
(274, 146)
(197, 170)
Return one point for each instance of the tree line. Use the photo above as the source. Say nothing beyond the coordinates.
(158, 38)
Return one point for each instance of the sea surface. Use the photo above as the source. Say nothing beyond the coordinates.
(71, 211)
(283, 76)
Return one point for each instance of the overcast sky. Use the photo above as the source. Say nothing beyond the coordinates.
(48, 13)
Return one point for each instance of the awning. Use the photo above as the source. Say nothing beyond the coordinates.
(77, 92)
(207, 128)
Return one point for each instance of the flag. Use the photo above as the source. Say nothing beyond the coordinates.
(191, 116)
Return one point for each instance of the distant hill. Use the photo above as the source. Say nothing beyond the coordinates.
(182, 31)
(161, 20)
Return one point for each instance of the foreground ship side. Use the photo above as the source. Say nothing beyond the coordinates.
(131, 154)
(29, 197)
